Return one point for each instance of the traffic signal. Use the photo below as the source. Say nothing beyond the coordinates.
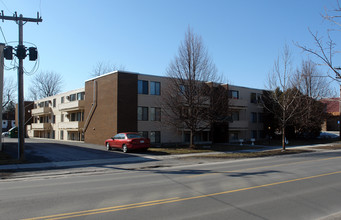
(8, 53)
(33, 53)
(21, 52)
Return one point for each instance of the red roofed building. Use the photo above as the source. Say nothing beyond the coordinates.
(333, 109)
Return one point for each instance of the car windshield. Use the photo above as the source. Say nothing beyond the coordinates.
(129, 136)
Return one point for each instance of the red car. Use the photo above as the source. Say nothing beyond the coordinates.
(128, 141)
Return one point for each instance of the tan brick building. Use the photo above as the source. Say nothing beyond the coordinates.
(59, 117)
(124, 101)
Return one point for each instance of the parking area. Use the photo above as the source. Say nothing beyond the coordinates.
(46, 150)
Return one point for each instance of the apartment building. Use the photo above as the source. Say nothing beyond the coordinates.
(123, 101)
(59, 117)
(246, 113)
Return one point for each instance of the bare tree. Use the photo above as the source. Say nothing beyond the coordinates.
(9, 92)
(325, 49)
(45, 84)
(282, 101)
(312, 82)
(313, 87)
(325, 52)
(103, 68)
(186, 99)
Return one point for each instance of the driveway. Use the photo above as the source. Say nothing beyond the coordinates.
(46, 150)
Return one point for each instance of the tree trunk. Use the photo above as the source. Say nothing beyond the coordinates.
(283, 128)
(191, 144)
(283, 138)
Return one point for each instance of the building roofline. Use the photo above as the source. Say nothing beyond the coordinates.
(59, 94)
(113, 72)
(143, 74)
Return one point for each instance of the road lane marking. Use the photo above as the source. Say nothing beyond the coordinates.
(101, 209)
(170, 200)
(260, 167)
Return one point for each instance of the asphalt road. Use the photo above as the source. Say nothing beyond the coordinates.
(47, 150)
(304, 186)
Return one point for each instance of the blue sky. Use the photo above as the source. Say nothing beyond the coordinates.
(242, 37)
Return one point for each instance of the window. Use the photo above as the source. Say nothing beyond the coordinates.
(155, 136)
(72, 97)
(254, 134)
(155, 88)
(73, 117)
(254, 117)
(255, 98)
(77, 116)
(80, 96)
(53, 119)
(155, 114)
(62, 99)
(47, 103)
(130, 136)
(234, 136)
(260, 117)
(182, 89)
(144, 134)
(235, 116)
(62, 118)
(142, 87)
(119, 136)
(142, 113)
(234, 94)
(54, 103)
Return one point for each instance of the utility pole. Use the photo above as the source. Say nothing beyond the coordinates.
(2, 46)
(21, 54)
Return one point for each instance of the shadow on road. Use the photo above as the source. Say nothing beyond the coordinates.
(44, 151)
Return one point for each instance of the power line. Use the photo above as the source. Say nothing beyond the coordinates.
(3, 35)
(40, 8)
(6, 7)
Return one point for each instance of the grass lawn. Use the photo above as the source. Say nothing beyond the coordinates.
(171, 150)
(184, 149)
(250, 154)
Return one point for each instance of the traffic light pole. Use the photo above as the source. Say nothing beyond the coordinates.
(2, 46)
(21, 108)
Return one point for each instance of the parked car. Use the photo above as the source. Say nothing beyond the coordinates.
(5, 134)
(13, 132)
(128, 141)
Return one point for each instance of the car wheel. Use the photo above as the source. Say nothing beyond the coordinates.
(124, 148)
(108, 146)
